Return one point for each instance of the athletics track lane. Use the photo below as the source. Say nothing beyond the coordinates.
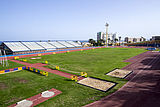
(142, 90)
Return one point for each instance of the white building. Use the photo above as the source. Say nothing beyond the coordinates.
(112, 36)
(134, 40)
(155, 37)
(100, 35)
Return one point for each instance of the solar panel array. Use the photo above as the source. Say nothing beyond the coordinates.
(32, 46)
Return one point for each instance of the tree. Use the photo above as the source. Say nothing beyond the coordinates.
(112, 41)
(100, 42)
(109, 40)
(115, 40)
(119, 39)
(92, 41)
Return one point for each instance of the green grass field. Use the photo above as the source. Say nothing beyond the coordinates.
(23, 84)
(11, 65)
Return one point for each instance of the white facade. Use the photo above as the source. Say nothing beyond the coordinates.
(134, 40)
(155, 37)
(100, 35)
(112, 36)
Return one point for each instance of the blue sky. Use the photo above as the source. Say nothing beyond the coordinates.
(77, 19)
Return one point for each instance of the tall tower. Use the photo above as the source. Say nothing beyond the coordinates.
(107, 33)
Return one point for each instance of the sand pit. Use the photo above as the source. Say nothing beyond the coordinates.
(119, 73)
(96, 83)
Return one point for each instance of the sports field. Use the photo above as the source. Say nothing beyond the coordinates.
(23, 84)
(11, 65)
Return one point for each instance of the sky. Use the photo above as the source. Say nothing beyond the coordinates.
(77, 19)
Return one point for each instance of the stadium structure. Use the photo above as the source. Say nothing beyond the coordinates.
(24, 47)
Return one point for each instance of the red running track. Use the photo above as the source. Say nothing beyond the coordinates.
(143, 87)
(40, 67)
(30, 55)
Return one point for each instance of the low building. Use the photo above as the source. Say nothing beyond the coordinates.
(111, 37)
(134, 40)
(155, 38)
(100, 36)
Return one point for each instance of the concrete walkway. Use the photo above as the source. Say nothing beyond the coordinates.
(143, 88)
(37, 99)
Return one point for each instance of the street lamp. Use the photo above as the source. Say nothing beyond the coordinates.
(106, 33)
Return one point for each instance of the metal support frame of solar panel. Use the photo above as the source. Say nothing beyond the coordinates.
(33, 46)
(46, 45)
(58, 45)
(74, 43)
(16, 46)
(66, 44)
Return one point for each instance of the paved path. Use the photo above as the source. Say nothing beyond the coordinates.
(40, 67)
(143, 88)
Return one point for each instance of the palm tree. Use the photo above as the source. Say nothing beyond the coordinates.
(115, 40)
(109, 40)
(92, 41)
(112, 41)
(102, 40)
(119, 40)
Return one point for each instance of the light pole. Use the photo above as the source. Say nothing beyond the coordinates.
(107, 34)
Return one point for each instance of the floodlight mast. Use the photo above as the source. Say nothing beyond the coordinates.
(106, 34)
